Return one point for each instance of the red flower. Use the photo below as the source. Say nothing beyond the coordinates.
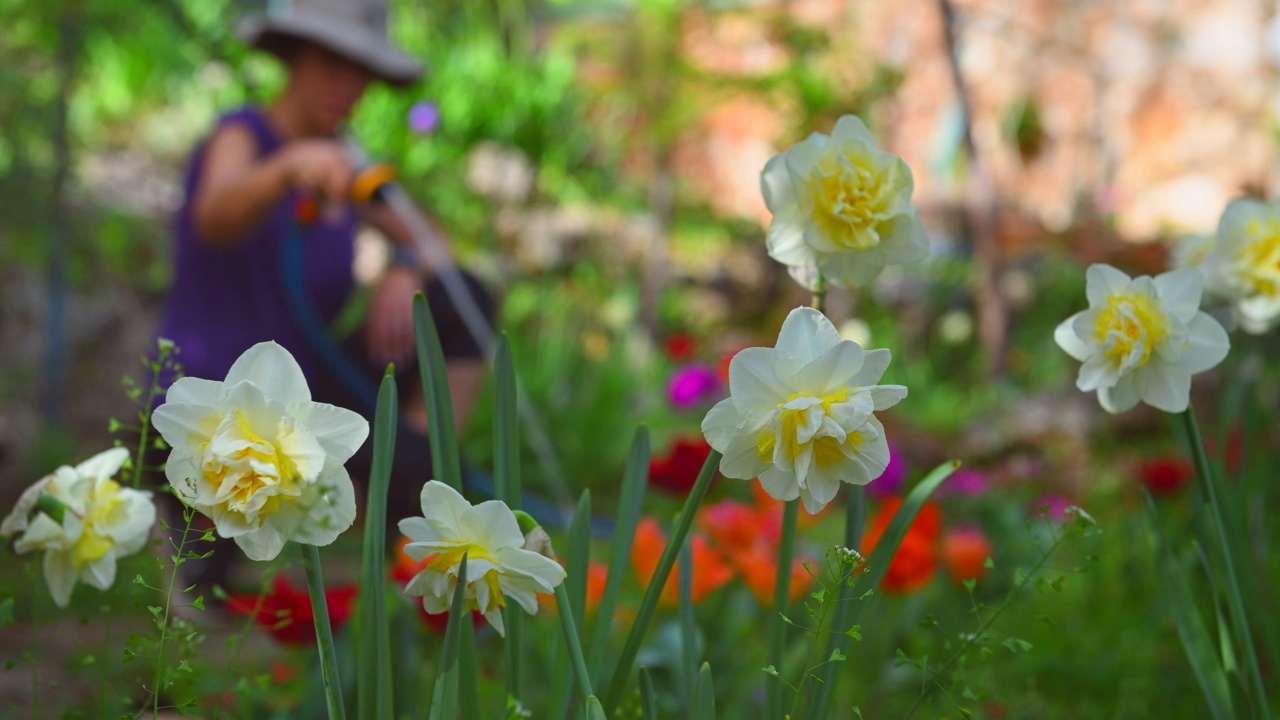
(916, 562)
(1166, 475)
(965, 551)
(286, 611)
(678, 471)
(681, 347)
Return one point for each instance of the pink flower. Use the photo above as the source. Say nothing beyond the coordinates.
(424, 117)
(693, 386)
(963, 483)
(1053, 506)
(894, 477)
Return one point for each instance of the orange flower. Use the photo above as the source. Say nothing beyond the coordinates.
(916, 562)
(774, 508)
(734, 525)
(965, 551)
(758, 566)
(710, 571)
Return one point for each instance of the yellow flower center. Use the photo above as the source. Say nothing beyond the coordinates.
(258, 466)
(1131, 325)
(452, 557)
(93, 546)
(1259, 261)
(851, 197)
(826, 449)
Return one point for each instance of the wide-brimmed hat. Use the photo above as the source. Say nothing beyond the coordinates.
(355, 29)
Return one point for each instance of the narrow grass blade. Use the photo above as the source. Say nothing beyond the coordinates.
(855, 516)
(1239, 618)
(594, 710)
(506, 429)
(1196, 640)
(324, 633)
(373, 674)
(446, 466)
(506, 477)
(648, 698)
(688, 625)
(635, 479)
(882, 556)
(579, 663)
(575, 583)
(444, 696)
(649, 605)
(781, 604)
(468, 672)
(704, 696)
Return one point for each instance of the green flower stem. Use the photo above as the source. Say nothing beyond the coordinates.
(565, 610)
(855, 515)
(168, 605)
(820, 293)
(324, 633)
(649, 605)
(1234, 596)
(781, 603)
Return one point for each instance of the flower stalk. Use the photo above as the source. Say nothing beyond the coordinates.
(324, 633)
(1234, 597)
(781, 603)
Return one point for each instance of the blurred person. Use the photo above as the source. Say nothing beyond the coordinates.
(248, 189)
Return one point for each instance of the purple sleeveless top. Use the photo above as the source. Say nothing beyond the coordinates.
(224, 300)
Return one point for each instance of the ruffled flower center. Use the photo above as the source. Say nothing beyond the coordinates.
(806, 421)
(1129, 329)
(104, 508)
(449, 560)
(249, 473)
(851, 198)
(1259, 262)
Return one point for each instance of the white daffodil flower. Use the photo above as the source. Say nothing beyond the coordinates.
(1244, 264)
(498, 566)
(842, 207)
(800, 416)
(1142, 339)
(100, 523)
(258, 457)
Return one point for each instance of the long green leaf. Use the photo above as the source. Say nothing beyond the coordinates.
(468, 672)
(581, 677)
(635, 479)
(882, 556)
(373, 674)
(506, 476)
(704, 695)
(1196, 640)
(781, 604)
(1235, 598)
(648, 698)
(577, 559)
(594, 710)
(855, 515)
(649, 605)
(688, 625)
(446, 466)
(444, 696)
(324, 633)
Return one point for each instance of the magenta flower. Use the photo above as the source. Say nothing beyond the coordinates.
(424, 117)
(693, 386)
(1054, 506)
(963, 483)
(894, 477)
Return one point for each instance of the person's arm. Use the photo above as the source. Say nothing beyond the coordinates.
(386, 221)
(390, 327)
(237, 190)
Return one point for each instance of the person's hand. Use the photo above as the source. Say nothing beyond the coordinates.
(319, 168)
(390, 327)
